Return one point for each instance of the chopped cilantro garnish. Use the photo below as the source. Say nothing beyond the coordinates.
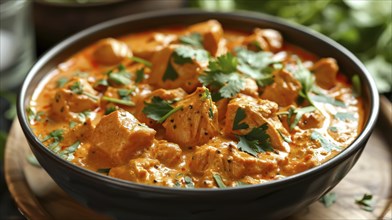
(139, 75)
(76, 88)
(333, 129)
(68, 152)
(189, 182)
(125, 94)
(240, 184)
(170, 72)
(222, 75)
(256, 141)
(194, 39)
(305, 77)
(327, 99)
(101, 82)
(56, 135)
(110, 109)
(284, 137)
(33, 116)
(61, 82)
(328, 199)
(218, 180)
(239, 116)
(256, 65)
(324, 142)
(342, 116)
(207, 96)
(118, 101)
(185, 54)
(72, 124)
(159, 109)
(366, 202)
(142, 61)
(121, 77)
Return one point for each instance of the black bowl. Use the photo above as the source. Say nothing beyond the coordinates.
(272, 200)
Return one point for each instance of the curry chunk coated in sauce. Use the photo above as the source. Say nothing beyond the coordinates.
(197, 106)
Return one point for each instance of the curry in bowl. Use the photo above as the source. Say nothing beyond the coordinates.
(197, 106)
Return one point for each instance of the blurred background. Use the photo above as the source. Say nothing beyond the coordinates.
(28, 28)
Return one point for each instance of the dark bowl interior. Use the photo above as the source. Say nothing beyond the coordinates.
(123, 199)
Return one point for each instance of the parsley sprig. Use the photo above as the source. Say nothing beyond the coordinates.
(159, 109)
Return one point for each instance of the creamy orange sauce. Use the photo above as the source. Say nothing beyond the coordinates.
(196, 146)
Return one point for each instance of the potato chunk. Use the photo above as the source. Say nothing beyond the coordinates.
(257, 112)
(110, 51)
(284, 90)
(196, 123)
(325, 71)
(118, 137)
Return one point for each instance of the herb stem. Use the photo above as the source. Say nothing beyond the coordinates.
(161, 120)
(118, 101)
(140, 60)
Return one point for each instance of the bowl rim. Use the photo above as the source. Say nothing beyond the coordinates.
(358, 143)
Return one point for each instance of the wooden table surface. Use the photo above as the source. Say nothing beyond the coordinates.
(38, 197)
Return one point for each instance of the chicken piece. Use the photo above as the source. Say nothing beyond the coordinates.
(110, 52)
(147, 47)
(118, 137)
(140, 170)
(313, 119)
(184, 75)
(161, 93)
(264, 39)
(81, 132)
(223, 156)
(250, 88)
(257, 113)
(169, 154)
(196, 123)
(325, 71)
(284, 90)
(76, 96)
(212, 34)
(222, 108)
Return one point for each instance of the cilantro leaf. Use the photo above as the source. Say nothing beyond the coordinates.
(76, 88)
(61, 82)
(170, 72)
(57, 135)
(139, 75)
(32, 115)
(188, 182)
(218, 180)
(256, 141)
(68, 153)
(110, 109)
(299, 113)
(84, 115)
(159, 109)
(328, 199)
(304, 76)
(222, 75)
(125, 94)
(325, 143)
(327, 99)
(239, 116)
(356, 83)
(207, 96)
(185, 54)
(194, 39)
(121, 77)
(366, 202)
(342, 116)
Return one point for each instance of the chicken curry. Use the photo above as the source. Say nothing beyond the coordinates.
(197, 107)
